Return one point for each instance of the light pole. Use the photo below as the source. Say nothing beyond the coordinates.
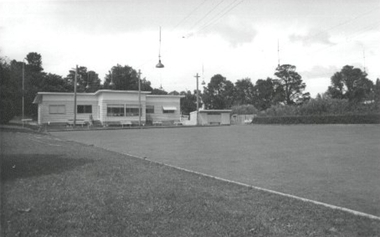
(75, 96)
(159, 64)
(23, 92)
(139, 77)
(197, 77)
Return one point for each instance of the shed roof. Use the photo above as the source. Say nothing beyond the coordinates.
(215, 111)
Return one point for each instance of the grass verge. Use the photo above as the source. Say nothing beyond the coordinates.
(57, 188)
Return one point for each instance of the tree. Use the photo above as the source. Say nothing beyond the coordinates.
(292, 85)
(244, 92)
(159, 92)
(376, 92)
(267, 93)
(35, 62)
(52, 83)
(350, 83)
(8, 92)
(125, 78)
(219, 93)
(87, 81)
(189, 102)
(174, 93)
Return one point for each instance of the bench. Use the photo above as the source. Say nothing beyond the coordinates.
(129, 123)
(157, 123)
(81, 122)
(176, 123)
(26, 120)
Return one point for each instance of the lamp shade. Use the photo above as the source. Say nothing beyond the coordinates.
(159, 64)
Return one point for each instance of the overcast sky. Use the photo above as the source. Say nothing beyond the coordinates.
(235, 38)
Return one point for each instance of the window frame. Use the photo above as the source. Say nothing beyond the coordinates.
(85, 109)
(131, 110)
(149, 109)
(118, 110)
(58, 107)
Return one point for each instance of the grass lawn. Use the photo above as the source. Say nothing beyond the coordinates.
(51, 187)
(335, 164)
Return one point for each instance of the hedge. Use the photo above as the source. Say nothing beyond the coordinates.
(322, 119)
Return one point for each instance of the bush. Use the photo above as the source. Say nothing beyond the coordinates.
(321, 106)
(320, 119)
(244, 109)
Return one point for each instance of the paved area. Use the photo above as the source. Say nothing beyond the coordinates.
(335, 164)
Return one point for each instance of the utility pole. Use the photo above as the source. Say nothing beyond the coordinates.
(278, 52)
(197, 77)
(23, 92)
(75, 96)
(139, 77)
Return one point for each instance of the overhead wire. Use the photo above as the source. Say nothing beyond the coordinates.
(191, 13)
(221, 14)
(207, 14)
(347, 39)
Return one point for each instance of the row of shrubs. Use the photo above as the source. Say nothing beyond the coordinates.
(320, 119)
(322, 106)
(316, 111)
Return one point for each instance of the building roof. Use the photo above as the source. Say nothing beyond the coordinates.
(38, 98)
(215, 111)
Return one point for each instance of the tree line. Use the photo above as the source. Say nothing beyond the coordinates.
(287, 88)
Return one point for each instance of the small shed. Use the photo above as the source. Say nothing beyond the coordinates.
(211, 117)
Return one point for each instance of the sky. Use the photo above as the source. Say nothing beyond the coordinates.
(235, 38)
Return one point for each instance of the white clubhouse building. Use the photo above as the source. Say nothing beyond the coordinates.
(107, 106)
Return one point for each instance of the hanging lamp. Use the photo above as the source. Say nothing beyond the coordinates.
(159, 64)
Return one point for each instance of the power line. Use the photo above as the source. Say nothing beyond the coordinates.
(208, 13)
(345, 22)
(221, 14)
(191, 13)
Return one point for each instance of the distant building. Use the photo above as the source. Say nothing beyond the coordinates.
(210, 117)
(108, 106)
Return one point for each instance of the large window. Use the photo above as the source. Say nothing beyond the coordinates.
(84, 109)
(149, 109)
(115, 110)
(57, 109)
(132, 110)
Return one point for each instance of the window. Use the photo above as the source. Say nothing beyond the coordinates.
(132, 110)
(149, 109)
(57, 109)
(115, 110)
(169, 110)
(84, 109)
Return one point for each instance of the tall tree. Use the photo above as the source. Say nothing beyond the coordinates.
(376, 92)
(34, 61)
(350, 83)
(125, 78)
(8, 92)
(87, 81)
(219, 93)
(267, 93)
(33, 79)
(244, 92)
(189, 102)
(291, 83)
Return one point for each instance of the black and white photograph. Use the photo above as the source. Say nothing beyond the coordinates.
(189, 118)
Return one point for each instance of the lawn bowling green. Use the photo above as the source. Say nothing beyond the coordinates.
(334, 164)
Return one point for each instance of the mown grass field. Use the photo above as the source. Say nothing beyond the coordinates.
(335, 164)
(51, 187)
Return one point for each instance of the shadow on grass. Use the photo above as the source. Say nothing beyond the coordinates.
(20, 166)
